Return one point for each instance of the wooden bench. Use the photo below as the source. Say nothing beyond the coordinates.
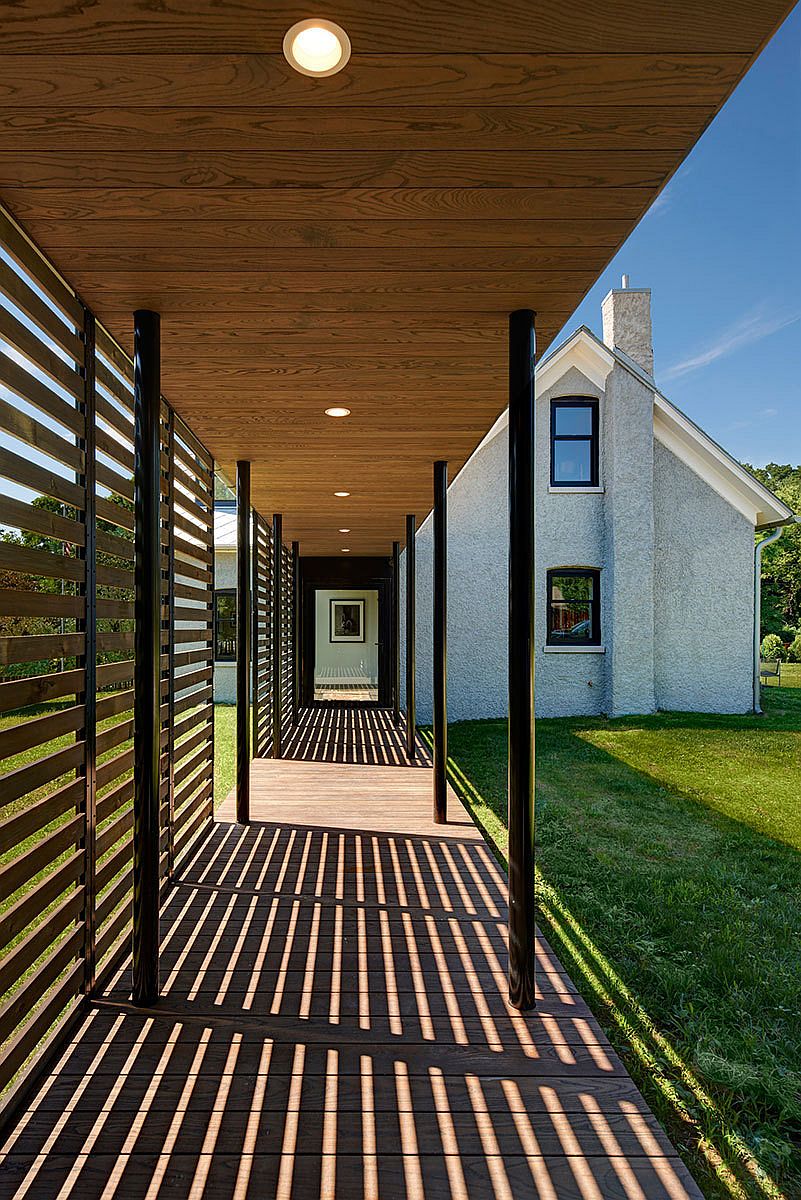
(770, 670)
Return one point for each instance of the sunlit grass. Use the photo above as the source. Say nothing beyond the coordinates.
(673, 896)
(791, 676)
(224, 751)
(224, 779)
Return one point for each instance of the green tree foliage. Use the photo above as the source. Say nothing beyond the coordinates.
(221, 489)
(772, 649)
(781, 562)
(794, 653)
(21, 581)
(17, 626)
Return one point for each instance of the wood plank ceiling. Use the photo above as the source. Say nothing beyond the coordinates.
(358, 239)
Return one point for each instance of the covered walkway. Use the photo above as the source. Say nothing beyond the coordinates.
(323, 283)
(333, 1022)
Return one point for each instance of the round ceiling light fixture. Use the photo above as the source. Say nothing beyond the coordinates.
(337, 412)
(316, 47)
(344, 531)
(341, 493)
(346, 549)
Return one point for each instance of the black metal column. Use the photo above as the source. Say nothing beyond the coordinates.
(243, 639)
(411, 597)
(147, 649)
(277, 628)
(89, 661)
(521, 659)
(440, 680)
(396, 632)
(296, 632)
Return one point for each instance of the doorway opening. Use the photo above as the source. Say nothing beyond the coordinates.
(346, 631)
(346, 642)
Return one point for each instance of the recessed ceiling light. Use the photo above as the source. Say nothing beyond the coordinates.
(337, 412)
(346, 549)
(316, 47)
(344, 531)
(341, 493)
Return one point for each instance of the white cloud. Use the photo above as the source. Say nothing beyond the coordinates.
(661, 203)
(749, 329)
(665, 199)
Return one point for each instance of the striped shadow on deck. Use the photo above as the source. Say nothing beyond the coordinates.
(351, 733)
(333, 1024)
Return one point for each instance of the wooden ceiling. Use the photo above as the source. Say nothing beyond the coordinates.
(354, 240)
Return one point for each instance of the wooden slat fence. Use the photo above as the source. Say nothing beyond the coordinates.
(188, 689)
(109, 865)
(66, 652)
(265, 687)
(287, 643)
(262, 640)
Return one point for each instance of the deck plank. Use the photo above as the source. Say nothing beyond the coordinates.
(333, 1022)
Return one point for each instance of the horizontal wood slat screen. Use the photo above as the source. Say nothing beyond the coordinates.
(287, 643)
(262, 648)
(46, 679)
(66, 652)
(112, 853)
(191, 653)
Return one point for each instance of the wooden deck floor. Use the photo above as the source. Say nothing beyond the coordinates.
(352, 734)
(333, 1024)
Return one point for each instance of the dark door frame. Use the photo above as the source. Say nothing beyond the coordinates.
(328, 574)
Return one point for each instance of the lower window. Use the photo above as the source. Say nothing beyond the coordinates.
(225, 625)
(574, 607)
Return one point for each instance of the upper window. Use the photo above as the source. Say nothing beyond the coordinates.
(574, 443)
(225, 625)
(574, 607)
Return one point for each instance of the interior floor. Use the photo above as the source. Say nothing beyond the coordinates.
(361, 693)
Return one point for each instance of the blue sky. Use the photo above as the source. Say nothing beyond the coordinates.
(721, 250)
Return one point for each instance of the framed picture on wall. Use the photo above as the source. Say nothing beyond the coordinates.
(347, 621)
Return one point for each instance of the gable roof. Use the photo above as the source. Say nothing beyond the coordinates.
(674, 429)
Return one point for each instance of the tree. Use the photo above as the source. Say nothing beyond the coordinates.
(781, 562)
(772, 649)
(221, 489)
(18, 626)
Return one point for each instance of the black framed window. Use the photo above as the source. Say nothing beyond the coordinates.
(574, 607)
(574, 442)
(225, 625)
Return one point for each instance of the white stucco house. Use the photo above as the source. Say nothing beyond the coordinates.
(645, 566)
(644, 580)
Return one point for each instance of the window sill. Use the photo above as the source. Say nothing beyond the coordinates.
(574, 649)
(571, 490)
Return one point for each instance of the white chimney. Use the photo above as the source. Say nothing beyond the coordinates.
(627, 323)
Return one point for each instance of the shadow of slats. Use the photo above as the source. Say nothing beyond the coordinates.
(333, 1022)
(354, 735)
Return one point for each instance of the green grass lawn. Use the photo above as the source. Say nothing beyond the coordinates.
(224, 751)
(791, 676)
(224, 747)
(669, 851)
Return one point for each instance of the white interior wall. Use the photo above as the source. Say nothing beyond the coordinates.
(336, 658)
